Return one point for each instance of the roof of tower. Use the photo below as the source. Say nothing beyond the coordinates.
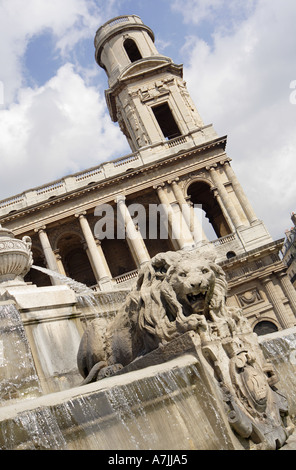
(113, 27)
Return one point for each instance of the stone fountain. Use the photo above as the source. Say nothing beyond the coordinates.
(15, 258)
(172, 368)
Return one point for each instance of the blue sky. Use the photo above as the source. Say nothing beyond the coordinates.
(239, 62)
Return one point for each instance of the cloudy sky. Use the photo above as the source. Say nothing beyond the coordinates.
(239, 64)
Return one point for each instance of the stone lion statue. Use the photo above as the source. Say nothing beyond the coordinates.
(175, 292)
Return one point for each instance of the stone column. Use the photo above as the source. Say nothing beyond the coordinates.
(133, 236)
(95, 252)
(48, 253)
(247, 208)
(225, 197)
(278, 305)
(289, 291)
(188, 213)
(179, 229)
(59, 262)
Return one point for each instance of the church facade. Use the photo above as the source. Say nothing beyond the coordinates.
(100, 225)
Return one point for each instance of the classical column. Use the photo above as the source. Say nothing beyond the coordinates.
(179, 228)
(59, 262)
(48, 253)
(289, 291)
(188, 213)
(275, 300)
(133, 236)
(225, 197)
(99, 264)
(247, 208)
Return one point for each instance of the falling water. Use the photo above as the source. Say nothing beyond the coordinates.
(280, 349)
(168, 408)
(173, 400)
(18, 375)
(78, 287)
(99, 304)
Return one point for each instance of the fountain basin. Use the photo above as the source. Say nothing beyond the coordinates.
(165, 406)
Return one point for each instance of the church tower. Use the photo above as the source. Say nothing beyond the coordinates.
(148, 98)
(147, 94)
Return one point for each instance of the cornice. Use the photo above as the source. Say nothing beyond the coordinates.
(147, 168)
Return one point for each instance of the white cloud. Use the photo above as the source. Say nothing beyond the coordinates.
(59, 128)
(62, 126)
(198, 11)
(68, 20)
(241, 83)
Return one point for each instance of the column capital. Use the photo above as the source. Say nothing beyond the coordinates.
(225, 162)
(211, 167)
(120, 199)
(266, 279)
(80, 214)
(174, 180)
(159, 186)
(40, 229)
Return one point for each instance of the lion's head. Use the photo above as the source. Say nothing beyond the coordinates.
(177, 292)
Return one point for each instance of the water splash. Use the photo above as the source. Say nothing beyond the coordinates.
(78, 287)
(97, 304)
(17, 370)
(175, 402)
(280, 349)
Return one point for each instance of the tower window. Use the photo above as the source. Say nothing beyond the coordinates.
(166, 121)
(132, 50)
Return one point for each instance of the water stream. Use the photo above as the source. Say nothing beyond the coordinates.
(168, 409)
(100, 304)
(280, 349)
(18, 377)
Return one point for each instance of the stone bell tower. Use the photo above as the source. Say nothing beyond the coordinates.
(148, 98)
(147, 94)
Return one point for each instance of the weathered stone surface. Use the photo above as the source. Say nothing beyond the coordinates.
(178, 306)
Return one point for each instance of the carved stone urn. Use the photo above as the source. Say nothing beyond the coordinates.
(15, 257)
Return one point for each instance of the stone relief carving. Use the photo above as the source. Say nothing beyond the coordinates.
(180, 292)
(155, 90)
(249, 297)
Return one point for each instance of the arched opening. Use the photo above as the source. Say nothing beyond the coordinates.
(132, 50)
(265, 327)
(75, 259)
(230, 254)
(203, 199)
(118, 256)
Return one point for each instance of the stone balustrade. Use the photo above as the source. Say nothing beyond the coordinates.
(103, 171)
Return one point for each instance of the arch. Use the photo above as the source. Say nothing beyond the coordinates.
(230, 254)
(132, 50)
(264, 327)
(75, 259)
(201, 194)
(37, 277)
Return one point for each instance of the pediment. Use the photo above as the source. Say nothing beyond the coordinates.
(143, 66)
